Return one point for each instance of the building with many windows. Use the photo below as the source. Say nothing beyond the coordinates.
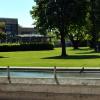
(16, 33)
(11, 26)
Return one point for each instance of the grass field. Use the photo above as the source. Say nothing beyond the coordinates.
(76, 58)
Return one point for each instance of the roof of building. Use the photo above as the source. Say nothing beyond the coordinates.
(9, 20)
(31, 35)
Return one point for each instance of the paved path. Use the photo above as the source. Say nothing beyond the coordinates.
(48, 92)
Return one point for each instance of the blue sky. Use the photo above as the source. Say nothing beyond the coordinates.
(17, 9)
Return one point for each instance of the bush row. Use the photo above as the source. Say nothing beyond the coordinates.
(25, 47)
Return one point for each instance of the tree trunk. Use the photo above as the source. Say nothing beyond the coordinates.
(93, 41)
(63, 45)
(75, 44)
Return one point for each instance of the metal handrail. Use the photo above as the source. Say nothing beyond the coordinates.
(8, 72)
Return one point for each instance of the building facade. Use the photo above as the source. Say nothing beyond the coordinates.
(16, 33)
(11, 26)
(26, 30)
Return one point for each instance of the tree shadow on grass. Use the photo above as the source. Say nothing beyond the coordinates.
(86, 52)
(74, 57)
(82, 49)
(3, 57)
(85, 49)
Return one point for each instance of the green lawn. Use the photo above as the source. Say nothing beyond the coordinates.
(76, 58)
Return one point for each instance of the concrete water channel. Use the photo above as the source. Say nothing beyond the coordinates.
(49, 83)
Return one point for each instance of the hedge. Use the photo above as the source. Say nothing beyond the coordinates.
(25, 47)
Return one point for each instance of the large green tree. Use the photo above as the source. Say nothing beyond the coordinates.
(77, 35)
(95, 21)
(59, 14)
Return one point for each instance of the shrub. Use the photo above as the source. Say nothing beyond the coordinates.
(25, 47)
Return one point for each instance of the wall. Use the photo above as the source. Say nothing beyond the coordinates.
(49, 89)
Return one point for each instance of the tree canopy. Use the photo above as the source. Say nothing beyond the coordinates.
(59, 14)
(95, 22)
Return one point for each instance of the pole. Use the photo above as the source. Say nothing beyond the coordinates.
(8, 71)
(55, 76)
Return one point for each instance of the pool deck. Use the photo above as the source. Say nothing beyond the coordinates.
(95, 81)
(49, 88)
(50, 68)
(48, 92)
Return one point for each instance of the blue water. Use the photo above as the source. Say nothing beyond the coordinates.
(32, 74)
(49, 74)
